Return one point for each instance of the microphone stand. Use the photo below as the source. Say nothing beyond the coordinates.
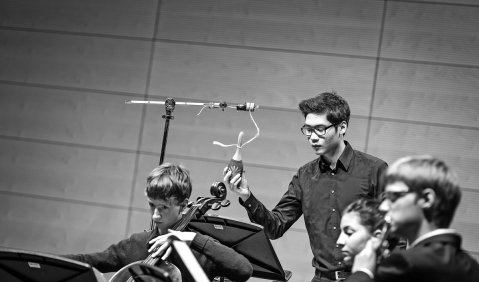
(169, 107)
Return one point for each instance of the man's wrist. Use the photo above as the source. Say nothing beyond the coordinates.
(246, 196)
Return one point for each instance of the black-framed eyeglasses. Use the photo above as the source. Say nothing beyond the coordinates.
(393, 196)
(319, 130)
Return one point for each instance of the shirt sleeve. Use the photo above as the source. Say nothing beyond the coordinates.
(277, 221)
(116, 255)
(220, 260)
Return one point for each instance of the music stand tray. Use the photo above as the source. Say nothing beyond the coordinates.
(20, 266)
(248, 239)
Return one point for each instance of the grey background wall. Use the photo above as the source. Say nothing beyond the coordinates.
(74, 156)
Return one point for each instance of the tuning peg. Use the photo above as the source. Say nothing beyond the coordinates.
(215, 206)
(225, 203)
(218, 189)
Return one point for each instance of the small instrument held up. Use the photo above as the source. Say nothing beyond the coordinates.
(387, 242)
(236, 163)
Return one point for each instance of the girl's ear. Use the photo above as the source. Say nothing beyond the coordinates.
(377, 233)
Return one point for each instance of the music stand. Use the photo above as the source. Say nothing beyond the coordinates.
(248, 239)
(21, 266)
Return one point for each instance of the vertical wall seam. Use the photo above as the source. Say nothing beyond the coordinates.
(143, 117)
(375, 77)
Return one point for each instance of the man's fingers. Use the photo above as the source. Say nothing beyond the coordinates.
(158, 241)
(235, 180)
(160, 250)
(167, 253)
(227, 176)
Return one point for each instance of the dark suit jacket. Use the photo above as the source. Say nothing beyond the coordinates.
(438, 258)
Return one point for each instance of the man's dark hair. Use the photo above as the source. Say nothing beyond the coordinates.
(169, 181)
(329, 103)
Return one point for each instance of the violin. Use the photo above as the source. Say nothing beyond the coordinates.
(387, 241)
(194, 210)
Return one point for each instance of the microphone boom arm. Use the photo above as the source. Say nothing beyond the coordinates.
(247, 106)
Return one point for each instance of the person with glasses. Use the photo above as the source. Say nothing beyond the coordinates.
(420, 198)
(320, 189)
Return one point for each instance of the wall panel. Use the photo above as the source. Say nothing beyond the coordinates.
(74, 61)
(109, 17)
(393, 140)
(427, 93)
(60, 115)
(466, 220)
(345, 27)
(64, 172)
(452, 2)
(274, 79)
(436, 33)
(58, 227)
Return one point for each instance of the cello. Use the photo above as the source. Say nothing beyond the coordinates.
(193, 210)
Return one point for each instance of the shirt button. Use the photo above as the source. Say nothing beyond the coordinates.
(333, 210)
(332, 191)
(334, 227)
(339, 263)
(249, 205)
(332, 173)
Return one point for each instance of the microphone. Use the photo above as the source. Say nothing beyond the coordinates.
(246, 106)
(170, 104)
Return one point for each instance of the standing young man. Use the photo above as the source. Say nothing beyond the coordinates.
(320, 189)
(168, 189)
(421, 196)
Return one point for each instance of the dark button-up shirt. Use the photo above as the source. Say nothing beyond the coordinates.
(321, 194)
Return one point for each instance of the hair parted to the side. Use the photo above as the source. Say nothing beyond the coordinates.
(368, 211)
(421, 172)
(330, 103)
(169, 181)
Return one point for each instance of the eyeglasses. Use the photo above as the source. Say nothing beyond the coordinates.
(319, 130)
(393, 196)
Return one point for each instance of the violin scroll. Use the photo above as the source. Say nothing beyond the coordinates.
(387, 241)
(218, 189)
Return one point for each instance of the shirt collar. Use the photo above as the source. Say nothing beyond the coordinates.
(344, 160)
(346, 156)
(440, 231)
